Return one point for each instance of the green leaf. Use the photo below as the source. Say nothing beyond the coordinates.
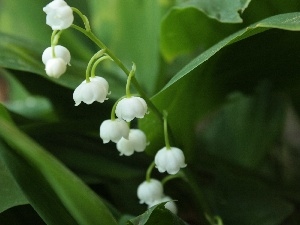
(43, 179)
(289, 21)
(21, 102)
(157, 215)
(10, 193)
(131, 29)
(247, 202)
(226, 11)
(246, 128)
(184, 30)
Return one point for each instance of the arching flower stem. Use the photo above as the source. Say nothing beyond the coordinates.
(113, 114)
(83, 17)
(92, 60)
(149, 171)
(97, 62)
(54, 40)
(130, 76)
(167, 143)
(180, 174)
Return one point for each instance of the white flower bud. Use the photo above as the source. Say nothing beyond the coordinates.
(130, 108)
(149, 191)
(136, 141)
(59, 15)
(88, 92)
(60, 52)
(113, 130)
(170, 160)
(170, 205)
(55, 67)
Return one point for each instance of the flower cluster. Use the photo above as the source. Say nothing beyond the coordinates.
(96, 89)
(56, 58)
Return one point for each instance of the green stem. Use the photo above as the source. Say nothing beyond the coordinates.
(137, 86)
(131, 75)
(96, 64)
(88, 68)
(83, 17)
(52, 43)
(204, 209)
(112, 114)
(167, 143)
(171, 177)
(149, 171)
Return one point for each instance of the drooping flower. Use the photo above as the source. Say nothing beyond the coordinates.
(60, 52)
(130, 108)
(55, 67)
(88, 92)
(170, 205)
(170, 160)
(113, 130)
(136, 141)
(150, 191)
(59, 15)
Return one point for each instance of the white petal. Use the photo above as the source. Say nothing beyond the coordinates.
(113, 130)
(59, 15)
(130, 108)
(150, 191)
(125, 147)
(55, 67)
(138, 139)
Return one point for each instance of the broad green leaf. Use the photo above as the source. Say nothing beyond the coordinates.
(246, 128)
(44, 179)
(289, 21)
(247, 202)
(10, 193)
(185, 30)
(21, 102)
(157, 215)
(226, 11)
(131, 30)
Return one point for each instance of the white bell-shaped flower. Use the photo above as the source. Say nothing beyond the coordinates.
(55, 67)
(60, 52)
(170, 205)
(170, 160)
(88, 92)
(59, 15)
(136, 141)
(113, 130)
(150, 191)
(130, 108)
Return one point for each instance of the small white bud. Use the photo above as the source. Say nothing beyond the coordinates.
(59, 15)
(130, 108)
(150, 191)
(136, 141)
(60, 52)
(170, 160)
(88, 92)
(113, 130)
(170, 205)
(55, 67)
